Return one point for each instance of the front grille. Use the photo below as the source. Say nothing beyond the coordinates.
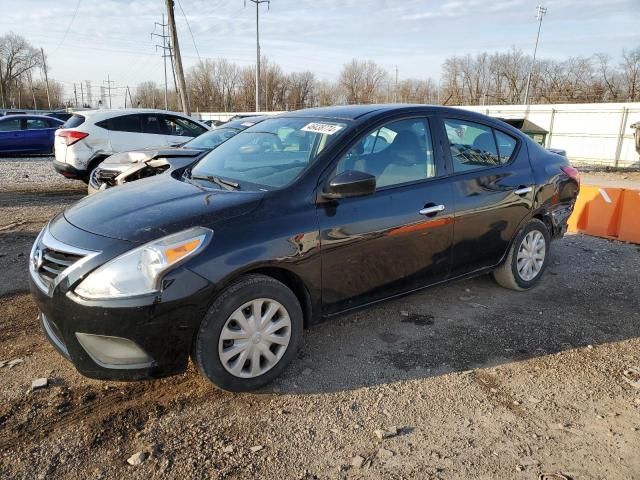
(50, 258)
(53, 263)
(101, 176)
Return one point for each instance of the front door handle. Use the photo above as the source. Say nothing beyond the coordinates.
(432, 210)
(522, 190)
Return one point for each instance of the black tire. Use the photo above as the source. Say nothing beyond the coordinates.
(205, 348)
(507, 274)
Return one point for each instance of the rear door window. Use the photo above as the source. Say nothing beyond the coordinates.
(472, 145)
(153, 124)
(36, 124)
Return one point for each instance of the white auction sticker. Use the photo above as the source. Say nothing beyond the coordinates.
(326, 128)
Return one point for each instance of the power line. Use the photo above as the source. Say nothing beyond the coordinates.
(73, 17)
(189, 27)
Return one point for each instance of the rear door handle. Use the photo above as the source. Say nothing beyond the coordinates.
(432, 210)
(523, 190)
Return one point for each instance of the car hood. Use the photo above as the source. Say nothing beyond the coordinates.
(153, 207)
(139, 156)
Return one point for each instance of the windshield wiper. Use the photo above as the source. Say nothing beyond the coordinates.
(221, 182)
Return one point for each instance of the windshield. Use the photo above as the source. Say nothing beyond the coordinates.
(272, 153)
(210, 140)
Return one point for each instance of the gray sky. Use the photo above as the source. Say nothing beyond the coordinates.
(113, 36)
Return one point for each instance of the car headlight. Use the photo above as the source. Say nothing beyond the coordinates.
(139, 271)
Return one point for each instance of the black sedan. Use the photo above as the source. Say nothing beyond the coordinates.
(300, 218)
(129, 166)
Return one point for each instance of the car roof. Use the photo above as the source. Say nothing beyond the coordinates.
(110, 113)
(355, 112)
(364, 112)
(28, 115)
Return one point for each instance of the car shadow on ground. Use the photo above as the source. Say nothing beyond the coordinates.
(470, 324)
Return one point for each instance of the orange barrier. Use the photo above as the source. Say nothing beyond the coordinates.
(607, 212)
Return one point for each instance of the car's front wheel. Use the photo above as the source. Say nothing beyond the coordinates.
(527, 258)
(249, 334)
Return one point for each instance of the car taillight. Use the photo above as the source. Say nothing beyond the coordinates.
(572, 172)
(71, 136)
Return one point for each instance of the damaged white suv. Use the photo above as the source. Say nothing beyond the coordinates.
(89, 137)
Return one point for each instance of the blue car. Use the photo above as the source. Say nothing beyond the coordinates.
(27, 133)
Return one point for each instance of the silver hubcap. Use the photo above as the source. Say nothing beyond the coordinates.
(254, 338)
(531, 255)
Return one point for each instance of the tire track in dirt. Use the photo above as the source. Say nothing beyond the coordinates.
(140, 396)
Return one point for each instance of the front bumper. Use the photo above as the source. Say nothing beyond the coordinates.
(161, 325)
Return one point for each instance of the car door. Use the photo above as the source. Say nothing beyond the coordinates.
(154, 129)
(125, 132)
(398, 238)
(10, 134)
(37, 135)
(492, 190)
(180, 130)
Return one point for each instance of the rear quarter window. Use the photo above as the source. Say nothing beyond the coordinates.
(74, 121)
(506, 146)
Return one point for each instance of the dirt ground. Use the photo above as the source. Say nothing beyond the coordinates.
(478, 382)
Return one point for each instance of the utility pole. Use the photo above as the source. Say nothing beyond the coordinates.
(541, 13)
(175, 83)
(395, 90)
(89, 96)
(81, 95)
(75, 94)
(164, 48)
(108, 81)
(257, 3)
(182, 85)
(33, 92)
(46, 78)
(130, 99)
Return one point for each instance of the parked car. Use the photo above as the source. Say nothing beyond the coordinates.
(129, 166)
(27, 133)
(90, 136)
(294, 220)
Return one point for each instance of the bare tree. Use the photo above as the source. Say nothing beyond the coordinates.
(148, 95)
(17, 58)
(630, 72)
(610, 78)
(361, 81)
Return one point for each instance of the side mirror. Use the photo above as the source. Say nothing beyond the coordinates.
(350, 184)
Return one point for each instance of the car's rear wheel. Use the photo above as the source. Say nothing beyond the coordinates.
(527, 258)
(249, 334)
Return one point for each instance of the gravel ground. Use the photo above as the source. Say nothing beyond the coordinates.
(32, 173)
(475, 382)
